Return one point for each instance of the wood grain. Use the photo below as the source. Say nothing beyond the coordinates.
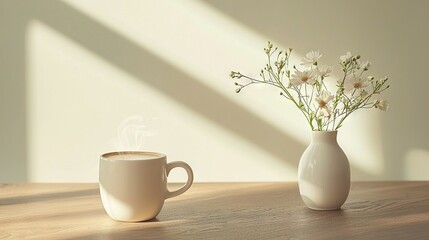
(374, 210)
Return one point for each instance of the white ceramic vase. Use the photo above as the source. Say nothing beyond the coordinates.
(324, 173)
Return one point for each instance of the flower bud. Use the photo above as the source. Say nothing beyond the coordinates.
(381, 104)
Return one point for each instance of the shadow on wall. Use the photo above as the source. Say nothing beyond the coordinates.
(173, 82)
(392, 34)
(129, 57)
(13, 109)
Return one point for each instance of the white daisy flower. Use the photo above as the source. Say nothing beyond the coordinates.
(324, 71)
(354, 83)
(324, 112)
(346, 58)
(383, 105)
(311, 58)
(323, 99)
(299, 78)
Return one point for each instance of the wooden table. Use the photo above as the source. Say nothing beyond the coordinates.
(374, 210)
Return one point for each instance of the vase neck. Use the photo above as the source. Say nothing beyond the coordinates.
(324, 136)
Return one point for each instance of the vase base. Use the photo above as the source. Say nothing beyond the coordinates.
(324, 209)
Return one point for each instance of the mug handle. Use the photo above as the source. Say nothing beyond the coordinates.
(188, 184)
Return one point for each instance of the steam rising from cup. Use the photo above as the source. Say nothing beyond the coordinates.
(131, 134)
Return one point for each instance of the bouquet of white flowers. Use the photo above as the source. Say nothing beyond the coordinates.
(305, 86)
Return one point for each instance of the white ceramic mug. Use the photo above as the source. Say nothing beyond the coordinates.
(133, 185)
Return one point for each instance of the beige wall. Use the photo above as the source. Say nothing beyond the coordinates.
(72, 71)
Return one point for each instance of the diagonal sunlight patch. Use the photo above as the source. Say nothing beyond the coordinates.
(75, 97)
(66, 106)
(417, 164)
(76, 100)
(206, 44)
(203, 43)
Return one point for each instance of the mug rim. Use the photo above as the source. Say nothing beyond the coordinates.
(156, 155)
